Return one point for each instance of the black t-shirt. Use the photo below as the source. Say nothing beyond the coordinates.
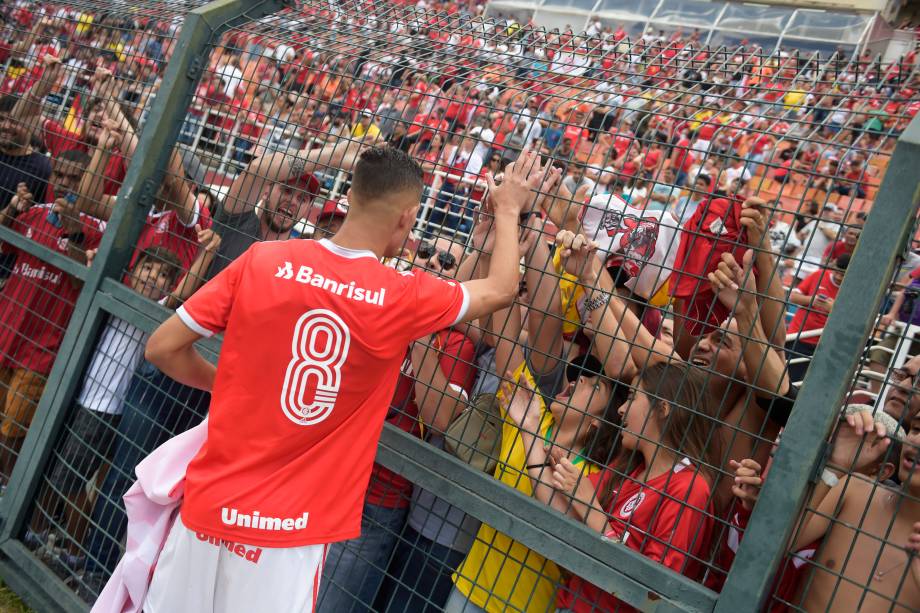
(33, 169)
(778, 408)
(237, 234)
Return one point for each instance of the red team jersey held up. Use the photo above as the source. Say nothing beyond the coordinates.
(665, 520)
(314, 336)
(38, 299)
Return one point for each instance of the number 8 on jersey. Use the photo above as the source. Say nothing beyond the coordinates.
(319, 348)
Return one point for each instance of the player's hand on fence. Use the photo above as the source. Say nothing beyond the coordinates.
(208, 239)
(522, 404)
(520, 178)
(735, 285)
(913, 551)
(748, 481)
(859, 442)
(576, 252)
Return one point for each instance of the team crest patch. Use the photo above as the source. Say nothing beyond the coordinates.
(717, 227)
(632, 504)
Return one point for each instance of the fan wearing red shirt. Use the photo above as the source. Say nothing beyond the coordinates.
(794, 567)
(663, 507)
(38, 299)
(90, 114)
(314, 335)
(815, 297)
(845, 246)
(171, 222)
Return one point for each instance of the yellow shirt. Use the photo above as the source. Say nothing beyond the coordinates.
(372, 130)
(84, 21)
(499, 574)
(794, 98)
(570, 293)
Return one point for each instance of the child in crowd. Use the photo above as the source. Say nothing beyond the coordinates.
(99, 403)
(867, 525)
(656, 497)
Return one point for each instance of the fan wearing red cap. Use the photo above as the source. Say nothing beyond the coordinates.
(282, 186)
(330, 218)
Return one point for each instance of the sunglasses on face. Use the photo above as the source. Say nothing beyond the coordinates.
(445, 259)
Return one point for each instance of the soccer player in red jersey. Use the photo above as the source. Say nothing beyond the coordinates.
(314, 335)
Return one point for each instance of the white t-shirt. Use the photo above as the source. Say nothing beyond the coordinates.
(815, 242)
(117, 354)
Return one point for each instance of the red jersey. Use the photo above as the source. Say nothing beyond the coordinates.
(818, 283)
(38, 299)
(837, 249)
(314, 335)
(388, 489)
(58, 140)
(667, 519)
(785, 583)
(164, 229)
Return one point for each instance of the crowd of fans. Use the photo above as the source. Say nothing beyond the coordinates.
(679, 265)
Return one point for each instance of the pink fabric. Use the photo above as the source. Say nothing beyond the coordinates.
(152, 504)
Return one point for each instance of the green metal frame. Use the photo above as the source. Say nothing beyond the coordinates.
(830, 376)
(200, 28)
(634, 578)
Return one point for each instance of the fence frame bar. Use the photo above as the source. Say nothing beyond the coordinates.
(884, 238)
(144, 174)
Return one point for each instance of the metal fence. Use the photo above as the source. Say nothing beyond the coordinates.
(196, 130)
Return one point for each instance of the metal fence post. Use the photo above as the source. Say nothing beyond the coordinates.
(829, 379)
(136, 197)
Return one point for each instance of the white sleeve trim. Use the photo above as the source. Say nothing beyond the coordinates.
(459, 390)
(195, 218)
(193, 325)
(464, 306)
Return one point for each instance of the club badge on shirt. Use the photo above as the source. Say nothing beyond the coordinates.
(632, 504)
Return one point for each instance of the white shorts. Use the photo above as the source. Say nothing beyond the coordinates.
(197, 573)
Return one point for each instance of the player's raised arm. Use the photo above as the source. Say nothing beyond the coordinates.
(171, 348)
(498, 289)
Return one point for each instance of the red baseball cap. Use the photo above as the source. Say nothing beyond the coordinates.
(307, 182)
(334, 208)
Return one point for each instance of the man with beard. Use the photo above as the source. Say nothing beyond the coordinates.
(282, 185)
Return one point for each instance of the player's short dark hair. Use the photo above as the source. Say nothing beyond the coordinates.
(384, 170)
(160, 255)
